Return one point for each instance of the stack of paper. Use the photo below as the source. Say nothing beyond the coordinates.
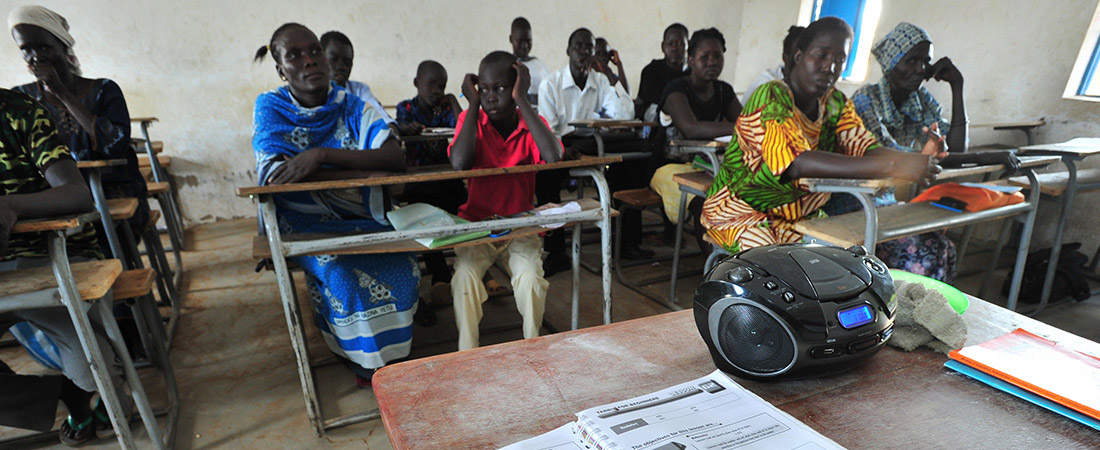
(419, 216)
(709, 413)
(1037, 370)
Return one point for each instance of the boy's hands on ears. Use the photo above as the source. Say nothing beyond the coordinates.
(523, 82)
(469, 90)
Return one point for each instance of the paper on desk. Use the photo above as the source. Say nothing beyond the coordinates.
(570, 207)
(562, 438)
(709, 413)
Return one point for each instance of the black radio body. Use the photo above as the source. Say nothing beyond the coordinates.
(795, 310)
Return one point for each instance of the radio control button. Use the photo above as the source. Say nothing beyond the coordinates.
(788, 297)
(739, 274)
(771, 286)
(827, 351)
(865, 344)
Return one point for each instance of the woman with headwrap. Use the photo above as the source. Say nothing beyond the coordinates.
(799, 127)
(90, 114)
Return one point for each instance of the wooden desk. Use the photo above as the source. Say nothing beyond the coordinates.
(1026, 127)
(427, 136)
(58, 287)
(599, 126)
(493, 396)
(1065, 187)
(282, 248)
(915, 218)
(709, 149)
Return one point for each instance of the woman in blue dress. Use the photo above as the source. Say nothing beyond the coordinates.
(363, 304)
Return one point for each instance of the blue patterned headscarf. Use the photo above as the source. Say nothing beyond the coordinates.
(896, 44)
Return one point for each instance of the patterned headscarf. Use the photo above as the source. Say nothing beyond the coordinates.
(896, 44)
(44, 18)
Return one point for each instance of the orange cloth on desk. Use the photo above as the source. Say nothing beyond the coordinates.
(977, 199)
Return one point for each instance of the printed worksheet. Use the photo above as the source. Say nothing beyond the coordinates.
(709, 413)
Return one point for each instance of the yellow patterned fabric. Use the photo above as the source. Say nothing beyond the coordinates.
(750, 203)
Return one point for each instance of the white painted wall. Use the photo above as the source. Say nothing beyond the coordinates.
(189, 63)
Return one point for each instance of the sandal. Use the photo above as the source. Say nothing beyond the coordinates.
(76, 435)
(103, 427)
(495, 289)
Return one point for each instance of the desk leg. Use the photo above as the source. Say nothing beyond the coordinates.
(599, 143)
(870, 233)
(293, 315)
(575, 316)
(676, 247)
(137, 390)
(70, 296)
(604, 224)
(1059, 232)
(1025, 241)
(95, 181)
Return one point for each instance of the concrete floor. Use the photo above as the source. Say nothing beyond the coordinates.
(237, 377)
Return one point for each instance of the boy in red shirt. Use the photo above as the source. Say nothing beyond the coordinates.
(499, 129)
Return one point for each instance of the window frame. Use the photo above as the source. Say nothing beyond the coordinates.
(867, 16)
(1087, 63)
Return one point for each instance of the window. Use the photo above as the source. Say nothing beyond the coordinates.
(862, 15)
(1084, 81)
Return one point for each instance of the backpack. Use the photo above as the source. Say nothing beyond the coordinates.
(1069, 276)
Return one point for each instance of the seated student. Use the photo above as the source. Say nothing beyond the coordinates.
(500, 129)
(577, 92)
(41, 180)
(605, 57)
(780, 71)
(698, 106)
(521, 48)
(340, 56)
(659, 72)
(899, 112)
(90, 114)
(431, 108)
(363, 304)
(799, 127)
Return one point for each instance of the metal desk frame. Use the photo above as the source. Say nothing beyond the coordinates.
(67, 294)
(281, 250)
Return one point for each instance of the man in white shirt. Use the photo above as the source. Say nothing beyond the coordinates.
(579, 92)
(521, 47)
(340, 53)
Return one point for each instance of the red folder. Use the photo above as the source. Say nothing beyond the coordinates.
(1040, 366)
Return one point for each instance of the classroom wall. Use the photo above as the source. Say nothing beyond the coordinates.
(1015, 55)
(189, 63)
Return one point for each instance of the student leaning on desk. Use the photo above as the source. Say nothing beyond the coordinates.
(500, 129)
(41, 180)
(363, 304)
(800, 127)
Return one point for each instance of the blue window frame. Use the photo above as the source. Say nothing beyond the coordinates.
(1090, 83)
(862, 16)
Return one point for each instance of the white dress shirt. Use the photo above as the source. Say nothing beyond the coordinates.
(538, 73)
(561, 101)
(362, 91)
(768, 75)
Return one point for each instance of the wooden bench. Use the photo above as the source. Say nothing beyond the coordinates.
(1054, 184)
(638, 198)
(133, 283)
(158, 146)
(164, 160)
(156, 188)
(93, 279)
(154, 217)
(122, 208)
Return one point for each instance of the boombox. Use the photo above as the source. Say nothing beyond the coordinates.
(795, 310)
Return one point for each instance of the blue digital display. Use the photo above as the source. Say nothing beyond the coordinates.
(854, 317)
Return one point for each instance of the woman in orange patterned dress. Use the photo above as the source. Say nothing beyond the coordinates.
(800, 127)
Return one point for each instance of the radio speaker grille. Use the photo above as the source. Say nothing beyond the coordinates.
(753, 340)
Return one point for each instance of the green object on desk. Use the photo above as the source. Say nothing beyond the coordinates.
(956, 298)
(422, 215)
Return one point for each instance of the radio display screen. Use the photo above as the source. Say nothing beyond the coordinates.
(854, 317)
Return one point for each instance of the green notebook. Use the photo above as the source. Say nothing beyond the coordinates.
(418, 216)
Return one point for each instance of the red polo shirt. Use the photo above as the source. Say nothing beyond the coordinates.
(499, 194)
